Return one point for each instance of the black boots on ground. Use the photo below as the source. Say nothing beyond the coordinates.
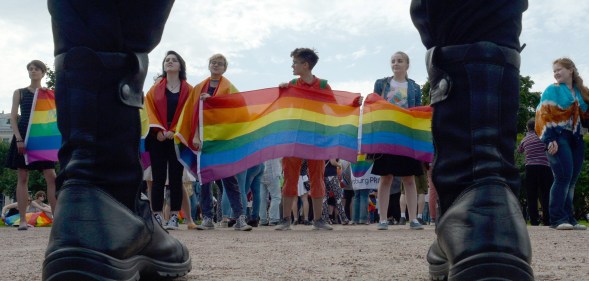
(481, 231)
(102, 230)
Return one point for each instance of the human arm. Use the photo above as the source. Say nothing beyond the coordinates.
(20, 142)
(43, 207)
(8, 207)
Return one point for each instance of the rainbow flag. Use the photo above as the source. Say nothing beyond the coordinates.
(35, 219)
(361, 167)
(390, 129)
(245, 129)
(43, 139)
(145, 159)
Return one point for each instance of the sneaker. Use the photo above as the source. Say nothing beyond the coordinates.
(421, 221)
(306, 222)
(192, 226)
(402, 221)
(207, 224)
(579, 227)
(565, 226)
(172, 224)
(159, 219)
(284, 224)
(273, 223)
(382, 226)
(321, 225)
(224, 224)
(253, 223)
(415, 225)
(240, 224)
(392, 221)
(231, 222)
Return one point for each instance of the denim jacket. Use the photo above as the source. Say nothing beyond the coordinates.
(382, 86)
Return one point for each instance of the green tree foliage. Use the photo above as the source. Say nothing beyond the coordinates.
(8, 177)
(527, 103)
(50, 78)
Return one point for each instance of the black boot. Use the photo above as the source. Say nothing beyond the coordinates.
(481, 232)
(102, 230)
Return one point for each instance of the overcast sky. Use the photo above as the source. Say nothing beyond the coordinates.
(354, 39)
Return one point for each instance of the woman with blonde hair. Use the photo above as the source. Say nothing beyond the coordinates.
(558, 123)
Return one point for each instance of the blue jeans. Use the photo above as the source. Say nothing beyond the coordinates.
(248, 180)
(230, 187)
(566, 166)
(195, 199)
(272, 190)
(360, 207)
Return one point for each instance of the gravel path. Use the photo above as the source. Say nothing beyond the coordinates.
(347, 253)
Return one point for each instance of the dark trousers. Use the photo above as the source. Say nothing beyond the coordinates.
(165, 165)
(538, 182)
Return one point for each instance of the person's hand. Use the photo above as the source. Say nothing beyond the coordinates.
(283, 85)
(196, 142)
(169, 135)
(360, 100)
(204, 96)
(552, 147)
(161, 136)
(20, 145)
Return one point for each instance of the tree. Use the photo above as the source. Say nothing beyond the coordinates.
(50, 77)
(527, 103)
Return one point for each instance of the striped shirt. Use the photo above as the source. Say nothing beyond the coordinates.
(534, 149)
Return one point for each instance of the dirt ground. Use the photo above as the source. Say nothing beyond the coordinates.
(346, 253)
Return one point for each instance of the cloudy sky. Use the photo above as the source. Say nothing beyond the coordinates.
(354, 39)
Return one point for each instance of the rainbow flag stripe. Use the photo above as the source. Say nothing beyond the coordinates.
(245, 129)
(43, 138)
(361, 167)
(390, 129)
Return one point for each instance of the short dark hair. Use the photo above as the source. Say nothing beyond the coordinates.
(306, 55)
(531, 124)
(39, 194)
(39, 64)
(182, 73)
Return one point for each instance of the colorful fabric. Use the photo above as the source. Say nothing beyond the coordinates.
(144, 154)
(35, 219)
(390, 129)
(156, 105)
(188, 123)
(43, 138)
(362, 177)
(246, 129)
(558, 110)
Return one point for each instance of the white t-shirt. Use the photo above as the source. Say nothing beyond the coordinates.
(398, 94)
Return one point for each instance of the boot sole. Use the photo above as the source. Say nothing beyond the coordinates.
(491, 266)
(84, 264)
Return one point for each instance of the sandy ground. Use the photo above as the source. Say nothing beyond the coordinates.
(347, 253)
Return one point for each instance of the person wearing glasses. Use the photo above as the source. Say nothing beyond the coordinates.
(215, 85)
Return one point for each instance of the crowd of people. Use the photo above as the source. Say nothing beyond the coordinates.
(302, 186)
(473, 62)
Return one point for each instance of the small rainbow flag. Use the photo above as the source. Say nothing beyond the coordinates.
(361, 167)
(245, 129)
(43, 138)
(390, 129)
(35, 219)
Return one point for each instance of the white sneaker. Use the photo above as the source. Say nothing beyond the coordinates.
(564, 226)
(579, 227)
(172, 224)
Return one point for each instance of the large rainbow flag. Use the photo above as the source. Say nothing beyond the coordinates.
(390, 129)
(43, 138)
(245, 129)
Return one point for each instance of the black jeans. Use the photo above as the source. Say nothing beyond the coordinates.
(165, 165)
(538, 182)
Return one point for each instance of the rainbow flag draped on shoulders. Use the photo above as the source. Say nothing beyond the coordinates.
(43, 138)
(390, 129)
(248, 128)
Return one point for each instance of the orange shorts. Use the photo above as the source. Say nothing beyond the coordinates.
(292, 170)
